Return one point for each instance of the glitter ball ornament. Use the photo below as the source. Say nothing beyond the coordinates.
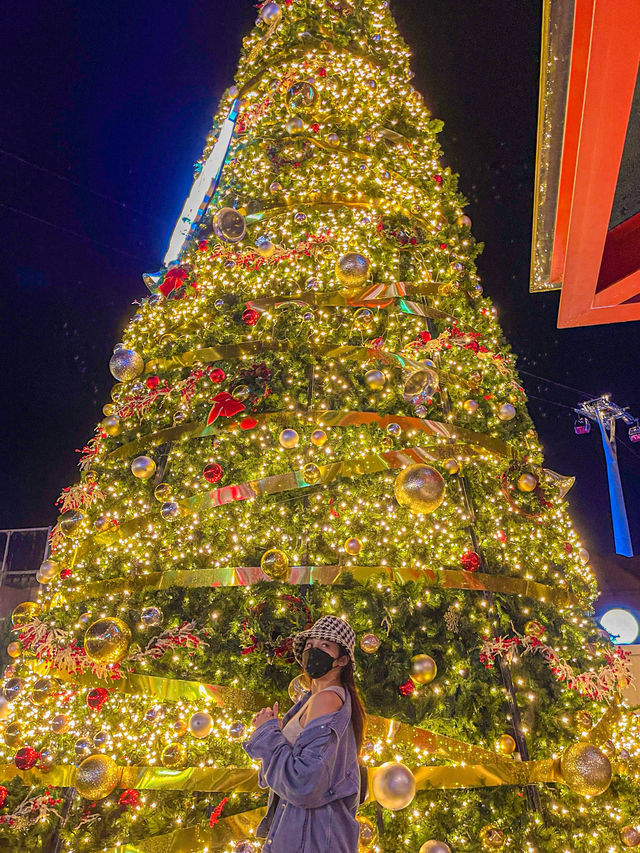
(97, 777)
(24, 612)
(200, 724)
(586, 769)
(527, 482)
(302, 97)
(107, 640)
(229, 225)
(318, 437)
(13, 734)
(13, 687)
(70, 523)
(294, 126)
(420, 385)
(271, 13)
(170, 511)
(451, 466)
(491, 837)
(288, 438)
(423, 669)
(162, 492)
(275, 564)
(353, 546)
(470, 407)
(297, 688)
(126, 365)
(375, 380)
(506, 745)
(369, 643)
(151, 616)
(311, 473)
(173, 755)
(143, 467)
(352, 269)
(506, 412)
(420, 488)
(26, 758)
(237, 730)
(368, 834)
(630, 836)
(112, 425)
(49, 569)
(394, 786)
(212, 473)
(433, 846)
(41, 691)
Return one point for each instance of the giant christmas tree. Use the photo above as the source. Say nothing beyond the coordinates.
(316, 413)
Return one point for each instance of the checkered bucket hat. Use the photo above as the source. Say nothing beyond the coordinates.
(327, 628)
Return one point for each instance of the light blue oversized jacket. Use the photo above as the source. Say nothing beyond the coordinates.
(315, 784)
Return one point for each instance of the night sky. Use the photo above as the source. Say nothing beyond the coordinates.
(106, 106)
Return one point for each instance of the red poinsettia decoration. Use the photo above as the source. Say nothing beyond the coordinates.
(97, 697)
(470, 561)
(224, 405)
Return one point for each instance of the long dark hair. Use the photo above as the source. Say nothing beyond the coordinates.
(358, 713)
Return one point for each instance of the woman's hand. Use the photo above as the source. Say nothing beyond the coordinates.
(264, 715)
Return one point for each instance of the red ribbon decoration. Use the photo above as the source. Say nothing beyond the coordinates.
(224, 405)
(173, 280)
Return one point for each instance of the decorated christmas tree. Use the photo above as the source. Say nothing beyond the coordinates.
(316, 412)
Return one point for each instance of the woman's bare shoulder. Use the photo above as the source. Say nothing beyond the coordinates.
(324, 702)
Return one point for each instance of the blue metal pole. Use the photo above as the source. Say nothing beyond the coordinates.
(621, 534)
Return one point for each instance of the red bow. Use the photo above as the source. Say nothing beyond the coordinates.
(173, 279)
(224, 405)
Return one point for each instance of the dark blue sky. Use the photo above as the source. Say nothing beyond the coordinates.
(105, 109)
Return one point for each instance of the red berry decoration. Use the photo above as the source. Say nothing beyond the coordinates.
(4, 793)
(212, 473)
(217, 375)
(152, 382)
(66, 573)
(97, 697)
(250, 316)
(470, 561)
(407, 688)
(26, 758)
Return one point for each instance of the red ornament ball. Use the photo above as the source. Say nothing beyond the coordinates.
(212, 473)
(470, 561)
(4, 793)
(250, 316)
(568, 547)
(501, 536)
(152, 382)
(26, 758)
(130, 797)
(217, 375)
(407, 688)
(97, 697)
(66, 573)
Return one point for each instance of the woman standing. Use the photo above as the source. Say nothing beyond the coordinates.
(310, 758)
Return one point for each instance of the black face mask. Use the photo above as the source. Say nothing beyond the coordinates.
(316, 662)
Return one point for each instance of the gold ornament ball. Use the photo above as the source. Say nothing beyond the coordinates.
(470, 407)
(14, 649)
(352, 269)
(275, 564)
(143, 467)
(584, 555)
(353, 546)
(363, 317)
(630, 836)
(96, 777)
(41, 691)
(125, 365)
(271, 13)
(302, 97)
(527, 482)
(112, 425)
(241, 392)
(369, 643)
(173, 755)
(506, 412)
(229, 225)
(332, 139)
(318, 437)
(420, 488)
(491, 837)
(200, 724)
(24, 612)
(265, 249)
(451, 466)
(295, 125)
(180, 728)
(586, 769)
(60, 724)
(288, 438)
(434, 846)
(108, 409)
(162, 492)
(420, 384)
(13, 687)
(237, 730)
(5, 708)
(368, 834)
(107, 640)
(49, 569)
(423, 669)
(70, 523)
(12, 734)
(375, 380)
(311, 473)
(394, 786)
(170, 510)
(506, 745)
(102, 523)
(297, 688)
